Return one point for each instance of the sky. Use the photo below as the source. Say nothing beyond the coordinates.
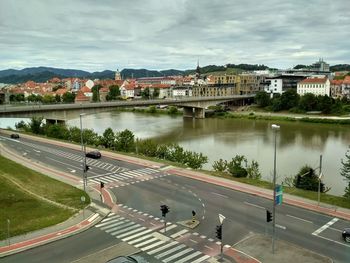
(162, 34)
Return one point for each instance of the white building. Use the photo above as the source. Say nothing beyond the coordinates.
(182, 92)
(275, 86)
(316, 86)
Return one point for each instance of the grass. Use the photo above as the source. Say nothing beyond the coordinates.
(27, 212)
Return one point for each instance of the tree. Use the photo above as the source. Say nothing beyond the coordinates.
(96, 93)
(48, 99)
(36, 125)
(108, 138)
(145, 93)
(113, 93)
(253, 170)
(125, 141)
(220, 165)
(235, 167)
(152, 109)
(147, 147)
(289, 99)
(194, 160)
(324, 104)
(68, 97)
(172, 110)
(308, 180)
(156, 93)
(308, 102)
(58, 98)
(59, 131)
(345, 172)
(262, 98)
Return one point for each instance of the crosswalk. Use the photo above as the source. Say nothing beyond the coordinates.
(149, 240)
(78, 158)
(126, 177)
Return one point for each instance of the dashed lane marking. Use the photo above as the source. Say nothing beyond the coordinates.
(324, 227)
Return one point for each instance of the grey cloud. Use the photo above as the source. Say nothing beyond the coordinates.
(158, 34)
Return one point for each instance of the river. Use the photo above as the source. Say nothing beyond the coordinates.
(297, 143)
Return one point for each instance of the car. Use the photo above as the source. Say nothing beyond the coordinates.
(15, 136)
(128, 259)
(93, 155)
(346, 234)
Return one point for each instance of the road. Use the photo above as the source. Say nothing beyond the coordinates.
(141, 190)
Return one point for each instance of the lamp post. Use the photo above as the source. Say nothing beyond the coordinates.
(83, 151)
(319, 182)
(275, 128)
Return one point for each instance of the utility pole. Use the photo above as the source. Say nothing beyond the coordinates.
(319, 182)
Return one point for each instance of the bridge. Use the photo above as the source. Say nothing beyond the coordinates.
(192, 107)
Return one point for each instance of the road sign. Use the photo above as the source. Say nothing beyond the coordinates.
(221, 218)
(279, 194)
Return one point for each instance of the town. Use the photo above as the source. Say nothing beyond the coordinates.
(317, 80)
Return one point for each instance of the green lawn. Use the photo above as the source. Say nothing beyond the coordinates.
(27, 212)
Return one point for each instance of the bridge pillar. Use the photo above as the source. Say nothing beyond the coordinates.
(187, 112)
(199, 113)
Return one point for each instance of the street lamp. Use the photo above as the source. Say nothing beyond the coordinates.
(83, 151)
(275, 128)
(319, 182)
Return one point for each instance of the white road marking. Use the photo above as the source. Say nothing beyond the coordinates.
(224, 196)
(334, 241)
(185, 259)
(282, 227)
(301, 219)
(322, 228)
(254, 205)
(179, 254)
(179, 233)
(162, 248)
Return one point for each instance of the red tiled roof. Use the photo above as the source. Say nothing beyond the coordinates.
(61, 91)
(313, 80)
(346, 80)
(336, 82)
(81, 97)
(85, 89)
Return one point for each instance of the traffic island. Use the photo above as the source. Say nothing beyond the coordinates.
(259, 247)
(189, 223)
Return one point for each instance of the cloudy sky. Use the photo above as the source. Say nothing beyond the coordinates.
(161, 34)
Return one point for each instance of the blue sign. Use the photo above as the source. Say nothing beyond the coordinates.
(279, 194)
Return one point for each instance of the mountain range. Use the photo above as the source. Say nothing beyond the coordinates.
(42, 74)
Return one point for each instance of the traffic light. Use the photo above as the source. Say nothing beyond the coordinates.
(86, 168)
(164, 209)
(219, 232)
(269, 216)
(102, 184)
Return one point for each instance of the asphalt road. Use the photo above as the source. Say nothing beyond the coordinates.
(245, 214)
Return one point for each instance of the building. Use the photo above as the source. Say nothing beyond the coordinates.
(320, 66)
(211, 91)
(346, 87)
(273, 86)
(336, 88)
(249, 83)
(316, 86)
(181, 91)
(117, 75)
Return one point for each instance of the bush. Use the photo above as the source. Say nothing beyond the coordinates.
(147, 147)
(220, 165)
(152, 109)
(172, 110)
(307, 179)
(235, 166)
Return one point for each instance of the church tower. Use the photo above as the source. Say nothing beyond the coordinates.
(117, 75)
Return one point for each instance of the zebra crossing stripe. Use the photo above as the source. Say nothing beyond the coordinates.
(94, 181)
(139, 239)
(167, 228)
(131, 232)
(112, 214)
(109, 220)
(117, 226)
(117, 177)
(137, 235)
(181, 253)
(125, 229)
(190, 256)
(163, 247)
(106, 179)
(145, 242)
(170, 251)
(201, 259)
(125, 175)
(131, 174)
(179, 233)
(153, 245)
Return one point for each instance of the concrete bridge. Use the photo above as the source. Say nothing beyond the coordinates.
(193, 107)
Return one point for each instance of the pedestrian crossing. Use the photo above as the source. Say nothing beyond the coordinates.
(78, 158)
(151, 241)
(126, 177)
